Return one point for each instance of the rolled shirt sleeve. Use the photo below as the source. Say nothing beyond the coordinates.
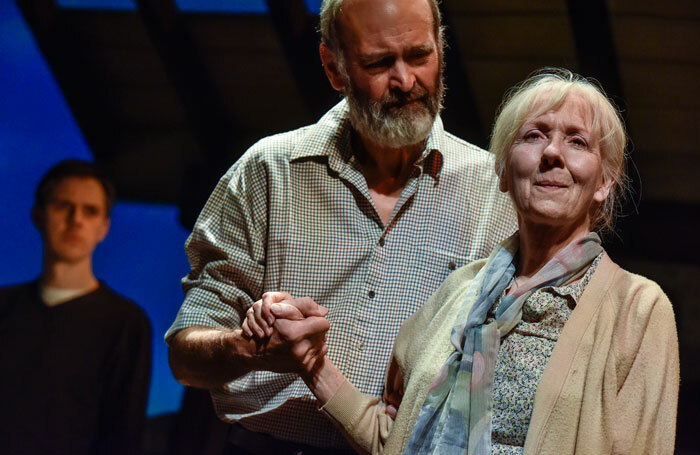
(226, 251)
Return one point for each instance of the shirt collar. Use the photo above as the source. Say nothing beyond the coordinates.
(575, 290)
(330, 137)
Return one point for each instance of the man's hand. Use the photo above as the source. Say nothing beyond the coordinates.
(206, 357)
(289, 333)
(260, 318)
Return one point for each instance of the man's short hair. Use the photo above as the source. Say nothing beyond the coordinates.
(330, 31)
(74, 168)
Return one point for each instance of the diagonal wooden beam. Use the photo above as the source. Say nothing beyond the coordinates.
(70, 56)
(296, 29)
(461, 116)
(595, 47)
(593, 37)
(592, 33)
(209, 119)
(213, 128)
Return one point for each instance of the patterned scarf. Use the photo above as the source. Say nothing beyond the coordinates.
(456, 415)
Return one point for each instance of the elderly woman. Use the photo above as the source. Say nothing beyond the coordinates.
(546, 346)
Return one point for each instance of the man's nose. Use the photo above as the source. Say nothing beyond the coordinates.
(402, 77)
(75, 216)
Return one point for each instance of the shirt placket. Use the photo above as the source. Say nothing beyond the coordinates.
(377, 292)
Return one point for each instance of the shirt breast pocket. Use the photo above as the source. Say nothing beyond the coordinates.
(432, 267)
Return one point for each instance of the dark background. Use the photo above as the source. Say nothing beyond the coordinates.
(168, 93)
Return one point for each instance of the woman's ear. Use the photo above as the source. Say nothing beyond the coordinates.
(603, 190)
(502, 178)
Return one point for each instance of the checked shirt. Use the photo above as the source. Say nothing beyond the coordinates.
(294, 214)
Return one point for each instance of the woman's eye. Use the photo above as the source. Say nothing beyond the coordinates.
(532, 135)
(579, 142)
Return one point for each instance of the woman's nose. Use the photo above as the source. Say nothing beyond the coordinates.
(552, 153)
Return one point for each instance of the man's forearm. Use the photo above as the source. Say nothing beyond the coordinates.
(207, 358)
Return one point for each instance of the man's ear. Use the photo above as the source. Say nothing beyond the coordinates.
(38, 218)
(105, 228)
(330, 65)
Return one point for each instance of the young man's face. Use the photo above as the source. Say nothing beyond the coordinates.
(74, 219)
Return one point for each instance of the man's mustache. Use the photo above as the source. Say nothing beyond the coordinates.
(398, 98)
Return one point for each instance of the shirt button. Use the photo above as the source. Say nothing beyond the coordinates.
(381, 241)
(452, 265)
(361, 346)
(371, 294)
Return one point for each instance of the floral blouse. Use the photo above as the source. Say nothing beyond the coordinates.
(523, 356)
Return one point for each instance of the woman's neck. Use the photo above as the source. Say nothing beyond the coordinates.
(539, 244)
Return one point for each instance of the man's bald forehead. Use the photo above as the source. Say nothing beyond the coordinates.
(332, 10)
(382, 11)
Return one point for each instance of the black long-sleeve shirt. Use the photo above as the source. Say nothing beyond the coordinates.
(74, 376)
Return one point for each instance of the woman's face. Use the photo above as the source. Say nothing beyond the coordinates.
(554, 174)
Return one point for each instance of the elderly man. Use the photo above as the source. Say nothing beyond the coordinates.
(76, 354)
(365, 212)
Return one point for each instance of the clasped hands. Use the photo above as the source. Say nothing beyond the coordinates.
(290, 332)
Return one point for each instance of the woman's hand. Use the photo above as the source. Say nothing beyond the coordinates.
(259, 318)
(393, 390)
(307, 344)
(299, 324)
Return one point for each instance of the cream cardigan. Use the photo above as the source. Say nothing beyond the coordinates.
(610, 386)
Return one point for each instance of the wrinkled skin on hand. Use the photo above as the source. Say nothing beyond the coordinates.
(290, 332)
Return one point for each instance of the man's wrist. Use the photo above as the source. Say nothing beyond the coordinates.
(251, 354)
(244, 351)
(207, 357)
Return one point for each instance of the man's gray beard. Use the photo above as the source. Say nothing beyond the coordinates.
(393, 128)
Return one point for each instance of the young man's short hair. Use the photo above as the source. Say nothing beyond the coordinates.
(74, 168)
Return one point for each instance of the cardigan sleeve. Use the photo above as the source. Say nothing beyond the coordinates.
(362, 418)
(648, 375)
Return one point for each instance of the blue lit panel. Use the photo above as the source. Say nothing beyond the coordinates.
(36, 130)
(313, 6)
(223, 6)
(98, 4)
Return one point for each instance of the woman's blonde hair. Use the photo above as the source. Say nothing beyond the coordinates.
(547, 89)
